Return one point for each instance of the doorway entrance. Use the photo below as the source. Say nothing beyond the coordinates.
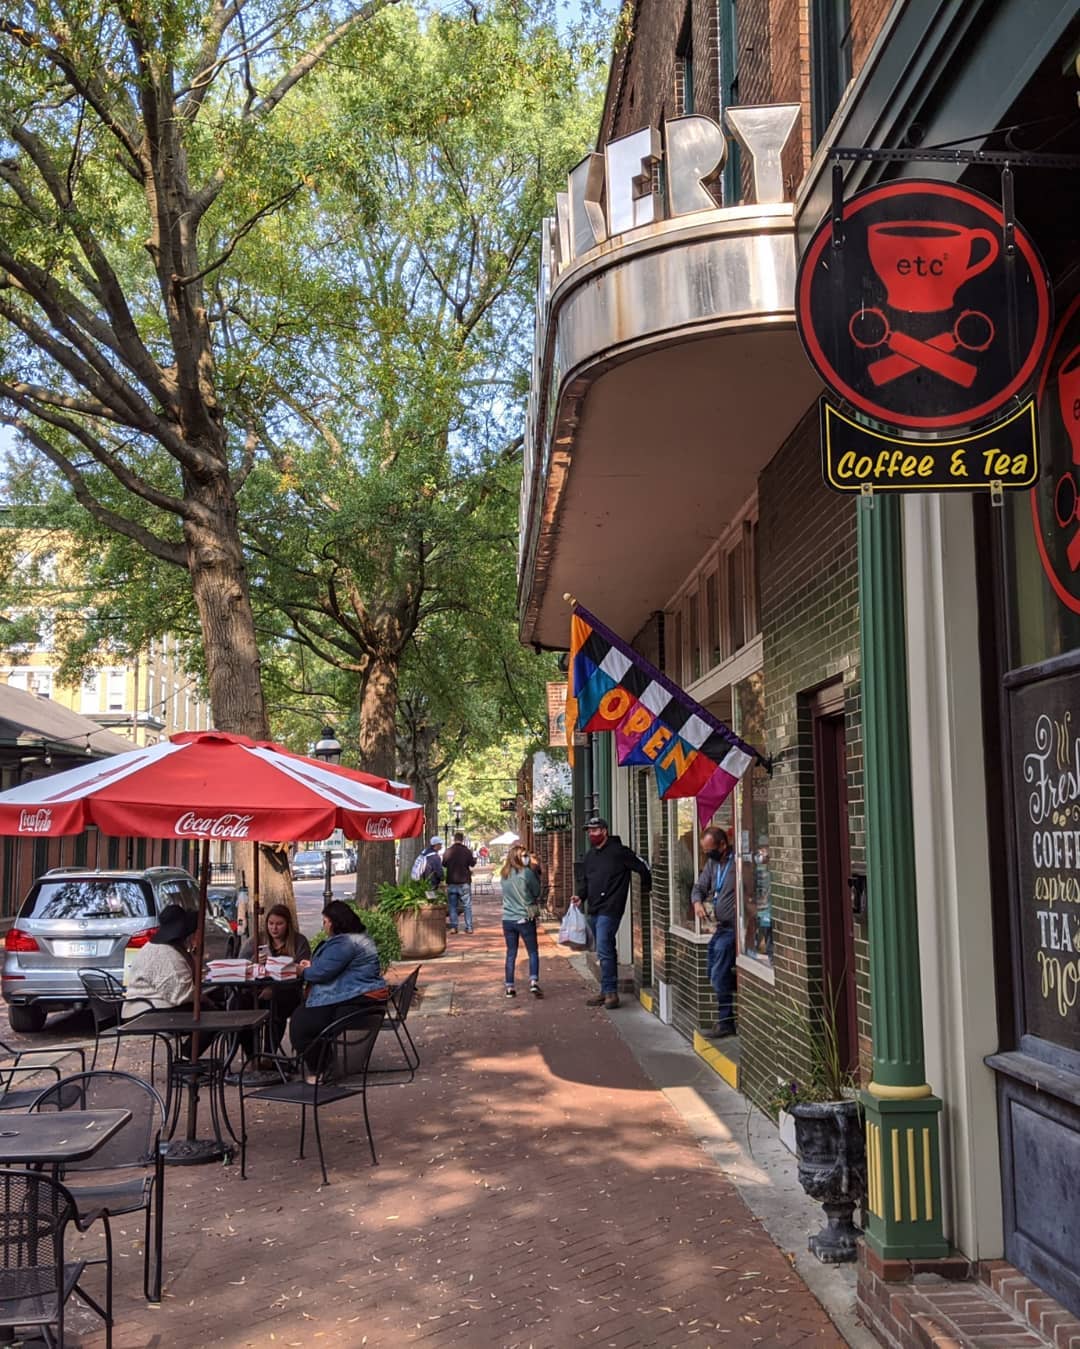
(831, 815)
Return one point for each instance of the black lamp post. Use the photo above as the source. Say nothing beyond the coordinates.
(328, 749)
(457, 818)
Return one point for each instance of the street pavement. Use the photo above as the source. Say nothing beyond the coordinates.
(534, 1189)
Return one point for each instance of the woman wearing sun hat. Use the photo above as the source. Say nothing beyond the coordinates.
(162, 972)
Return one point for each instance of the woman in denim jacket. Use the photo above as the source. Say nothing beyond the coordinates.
(342, 974)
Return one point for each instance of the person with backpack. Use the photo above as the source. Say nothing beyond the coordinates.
(428, 865)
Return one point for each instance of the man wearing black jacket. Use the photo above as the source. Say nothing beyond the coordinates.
(605, 884)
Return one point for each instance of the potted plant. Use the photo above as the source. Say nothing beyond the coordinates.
(419, 916)
(829, 1138)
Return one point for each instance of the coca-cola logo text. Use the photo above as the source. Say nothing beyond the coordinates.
(380, 828)
(221, 826)
(35, 821)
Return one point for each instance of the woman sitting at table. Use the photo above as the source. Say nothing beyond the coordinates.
(282, 939)
(342, 974)
(162, 972)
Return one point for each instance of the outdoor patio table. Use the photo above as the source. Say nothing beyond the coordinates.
(178, 1024)
(56, 1138)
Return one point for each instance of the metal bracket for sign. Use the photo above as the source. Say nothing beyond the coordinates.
(997, 492)
(1017, 159)
(866, 492)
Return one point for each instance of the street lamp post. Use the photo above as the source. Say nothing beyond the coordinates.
(328, 749)
(457, 818)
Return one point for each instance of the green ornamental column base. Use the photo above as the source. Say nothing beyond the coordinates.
(903, 1169)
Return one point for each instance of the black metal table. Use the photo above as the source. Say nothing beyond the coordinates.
(191, 1073)
(54, 1138)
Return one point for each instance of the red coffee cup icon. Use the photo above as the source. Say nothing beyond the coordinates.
(923, 263)
(1069, 399)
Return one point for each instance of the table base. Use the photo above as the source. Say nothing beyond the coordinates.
(196, 1151)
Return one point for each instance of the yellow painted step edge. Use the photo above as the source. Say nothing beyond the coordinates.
(718, 1062)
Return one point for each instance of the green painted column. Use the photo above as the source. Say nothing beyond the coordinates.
(902, 1113)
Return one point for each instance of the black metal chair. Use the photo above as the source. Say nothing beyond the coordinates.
(35, 1278)
(341, 1054)
(136, 1147)
(397, 1012)
(22, 1098)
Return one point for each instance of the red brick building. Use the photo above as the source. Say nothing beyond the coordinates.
(673, 483)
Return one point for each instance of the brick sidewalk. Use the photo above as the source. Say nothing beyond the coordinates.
(534, 1190)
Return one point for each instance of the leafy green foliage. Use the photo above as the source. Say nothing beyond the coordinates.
(403, 898)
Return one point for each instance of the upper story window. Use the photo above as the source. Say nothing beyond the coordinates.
(116, 691)
(830, 60)
(90, 694)
(728, 20)
(684, 67)
(718, 611)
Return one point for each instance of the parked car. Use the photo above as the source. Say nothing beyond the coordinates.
(344, 861)
(74, 919)
(308, 864)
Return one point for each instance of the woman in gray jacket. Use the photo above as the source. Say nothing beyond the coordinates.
(520, 893)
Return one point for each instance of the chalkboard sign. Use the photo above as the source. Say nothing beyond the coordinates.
(1044, 740)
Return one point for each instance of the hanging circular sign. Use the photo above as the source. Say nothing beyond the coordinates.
(1055, 499)
(909, 320)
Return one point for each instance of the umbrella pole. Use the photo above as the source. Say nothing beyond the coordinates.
(255, 901)
(190, 1151)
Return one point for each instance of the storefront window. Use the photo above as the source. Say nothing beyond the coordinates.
(684, 855)
(752, 839)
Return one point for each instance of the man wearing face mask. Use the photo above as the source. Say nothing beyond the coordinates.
(716, 886)
(605, 883)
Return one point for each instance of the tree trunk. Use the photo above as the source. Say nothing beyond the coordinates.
(219, 585)
(378, 742)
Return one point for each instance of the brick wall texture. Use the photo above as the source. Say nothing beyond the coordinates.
(807, 568)
(808, 575)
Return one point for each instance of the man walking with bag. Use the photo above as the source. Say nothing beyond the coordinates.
(716, 885)
(605, 883)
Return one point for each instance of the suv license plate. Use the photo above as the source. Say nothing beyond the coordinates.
(75, 948)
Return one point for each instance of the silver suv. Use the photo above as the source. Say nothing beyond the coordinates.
(74, 919)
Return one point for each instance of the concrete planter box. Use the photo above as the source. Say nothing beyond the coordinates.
(422, 932)
(786, 1125)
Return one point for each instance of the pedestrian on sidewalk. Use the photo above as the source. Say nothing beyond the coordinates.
(605, 883)
(428, 865)
(458, 862)
(520, 892)
(716, 885)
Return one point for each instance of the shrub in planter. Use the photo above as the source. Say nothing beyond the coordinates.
(419, 919)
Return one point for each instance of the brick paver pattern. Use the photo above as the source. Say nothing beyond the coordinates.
(534, 1190)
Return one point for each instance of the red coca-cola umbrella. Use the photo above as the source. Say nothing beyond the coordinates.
(206, 784)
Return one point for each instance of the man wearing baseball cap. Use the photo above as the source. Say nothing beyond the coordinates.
(604, 885)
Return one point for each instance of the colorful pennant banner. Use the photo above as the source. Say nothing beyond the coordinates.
(613, 688)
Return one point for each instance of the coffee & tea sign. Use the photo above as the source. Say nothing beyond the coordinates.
(920, 313)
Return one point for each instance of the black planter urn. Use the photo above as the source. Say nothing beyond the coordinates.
(832, 1169)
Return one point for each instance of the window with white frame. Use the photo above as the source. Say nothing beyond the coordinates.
(115, 690)
(90, 694)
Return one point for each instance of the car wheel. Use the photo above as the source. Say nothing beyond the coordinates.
(27, 1018)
